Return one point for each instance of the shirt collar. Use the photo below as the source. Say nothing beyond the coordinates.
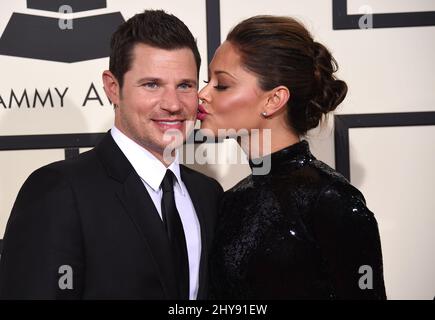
(150, 169)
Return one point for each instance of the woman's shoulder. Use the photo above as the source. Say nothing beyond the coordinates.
(315, 177)
(327, 174)
(340, 204)
(329, 195)
(334, 184)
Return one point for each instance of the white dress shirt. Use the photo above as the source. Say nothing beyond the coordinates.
(151, 171)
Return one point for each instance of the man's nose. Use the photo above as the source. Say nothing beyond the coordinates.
(171, 101)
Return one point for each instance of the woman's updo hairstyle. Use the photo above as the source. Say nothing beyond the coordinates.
(281, 51)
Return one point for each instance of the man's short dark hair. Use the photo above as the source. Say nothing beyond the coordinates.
(155, 28)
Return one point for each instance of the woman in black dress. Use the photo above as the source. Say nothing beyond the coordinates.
(301, 231)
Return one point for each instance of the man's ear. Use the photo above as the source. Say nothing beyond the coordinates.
(276, 100)
(111, 87)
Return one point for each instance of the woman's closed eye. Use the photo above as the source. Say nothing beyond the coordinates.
(219, 87)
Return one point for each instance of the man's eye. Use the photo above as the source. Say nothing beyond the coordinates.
(185, 86)
(151, 85)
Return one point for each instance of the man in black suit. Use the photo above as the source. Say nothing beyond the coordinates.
(124, 220)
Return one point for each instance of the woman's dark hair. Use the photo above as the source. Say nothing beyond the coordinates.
(280, 51)
(155, 28)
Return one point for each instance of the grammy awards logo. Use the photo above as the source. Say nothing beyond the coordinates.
(57, 39)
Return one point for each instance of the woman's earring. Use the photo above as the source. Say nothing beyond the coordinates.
(264, 114)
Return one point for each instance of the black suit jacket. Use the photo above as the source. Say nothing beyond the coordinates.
(94, 214)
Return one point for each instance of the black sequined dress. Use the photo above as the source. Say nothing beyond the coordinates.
(300, 232)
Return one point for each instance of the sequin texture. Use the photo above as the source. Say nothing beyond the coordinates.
(300, 232)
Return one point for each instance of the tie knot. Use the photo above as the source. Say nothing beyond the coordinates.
(167, 184)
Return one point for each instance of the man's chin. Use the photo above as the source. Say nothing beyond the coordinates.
(169, 152)
(172, 140)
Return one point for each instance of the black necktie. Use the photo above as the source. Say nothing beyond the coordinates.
(174, 228)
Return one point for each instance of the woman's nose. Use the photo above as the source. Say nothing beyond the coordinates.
(203, 95)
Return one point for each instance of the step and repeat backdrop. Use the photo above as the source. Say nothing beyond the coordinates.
(382, 138)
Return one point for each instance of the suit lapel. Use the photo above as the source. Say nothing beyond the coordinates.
(141, 210)
(198, 203)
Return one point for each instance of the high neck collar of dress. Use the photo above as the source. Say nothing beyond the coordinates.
(295, 153)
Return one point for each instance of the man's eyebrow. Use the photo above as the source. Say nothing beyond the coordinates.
(191, 81)
(149, 79)
(155, 79)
